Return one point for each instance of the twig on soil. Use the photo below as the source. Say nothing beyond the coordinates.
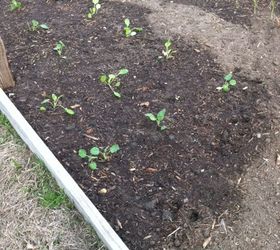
(173, 232)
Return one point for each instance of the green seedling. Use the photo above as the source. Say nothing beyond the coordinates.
(55, 102)
(158, 118)
(59, 46)
(35, 26)
(255, 4)
(15, 5)
(93, 10)
(229, 83)
(98, 154)
(272, 8)
(168, 51)
(113, 81)
(128, 31)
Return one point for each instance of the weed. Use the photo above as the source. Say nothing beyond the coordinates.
(168, 51)
(15, 5)
(97, 154)
(128, 31)
(59, 46)
(35, 25)
(93, 10)
(113, 81)
(55, 102)
(158, 118)
(229, 83)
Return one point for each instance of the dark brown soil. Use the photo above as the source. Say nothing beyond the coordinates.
(235, 11)
(211, 139)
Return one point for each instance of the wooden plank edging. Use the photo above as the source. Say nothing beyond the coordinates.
(64, 180)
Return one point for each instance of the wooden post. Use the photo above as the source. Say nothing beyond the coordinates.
(6, 78)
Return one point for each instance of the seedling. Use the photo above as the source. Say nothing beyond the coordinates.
(15, 5)
(59, 47)
(158, 118)
(113, 81)
(55, 102)
(97, 154)
(35, 25)
(229, 83)
(128, 31)
(255, 4)
(272, 8)
(168, 51)
(93, 10)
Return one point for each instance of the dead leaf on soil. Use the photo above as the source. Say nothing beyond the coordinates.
(75, 106)
(278, 160)
(145, 104)
(206, 242)
(151, 170)
(143, 89)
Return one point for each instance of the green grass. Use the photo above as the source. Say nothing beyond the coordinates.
(50, 195)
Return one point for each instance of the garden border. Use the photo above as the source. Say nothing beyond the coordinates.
(63, 178)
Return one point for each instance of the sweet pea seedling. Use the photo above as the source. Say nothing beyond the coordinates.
(55, 102)
(158, 118)
(229, 83)
(59, 46)
(15, 5)
(128, 31)
(98, 154)
(93, 10)
(113, 81)
(35, 25)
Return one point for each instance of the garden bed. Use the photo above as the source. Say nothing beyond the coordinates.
(181, 178)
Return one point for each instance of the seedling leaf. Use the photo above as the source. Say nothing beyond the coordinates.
(160, 115)
(127, 22)
(228, 77)
(123, 72)
(95, 151)
(44, 26)
(93, 165)
(151, 116)
(232, 82)
(114, 148)
(226, 87)
(69, 111)
(82, 153)
(103, 78)
(117, 94)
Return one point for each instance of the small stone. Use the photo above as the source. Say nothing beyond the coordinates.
(259, 135)
(172, 137)
(150, 205)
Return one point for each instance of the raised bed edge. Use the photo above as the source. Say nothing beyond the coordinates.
(91, 214)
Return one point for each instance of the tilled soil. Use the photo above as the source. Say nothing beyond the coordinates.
(177, 180)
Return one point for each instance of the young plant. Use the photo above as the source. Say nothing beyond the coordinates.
(128, 31)
(158, 118)
(59, 46)
(55, 102)
(229, 83)
(255, 4)
(168, 51)
(35, 25)
(272, 8)
(97, 154)
(93, 10)
(113, 81)
(15, 5)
